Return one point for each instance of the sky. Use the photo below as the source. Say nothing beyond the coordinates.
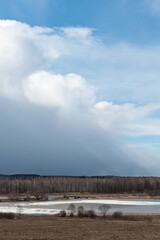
(79, 87)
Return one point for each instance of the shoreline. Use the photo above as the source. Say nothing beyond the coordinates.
(75, 195)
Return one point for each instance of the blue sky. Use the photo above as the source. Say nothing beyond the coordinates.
(125, 20)
(92, 62)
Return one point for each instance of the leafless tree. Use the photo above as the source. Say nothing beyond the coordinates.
(39, 194)
(72, 209)
(104, 209)
(80, 212)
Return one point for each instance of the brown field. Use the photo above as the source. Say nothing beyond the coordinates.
(68, 228)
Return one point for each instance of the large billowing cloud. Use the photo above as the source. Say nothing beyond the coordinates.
(58, 91)
(52, 120)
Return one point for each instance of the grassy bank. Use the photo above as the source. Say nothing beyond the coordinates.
(77, 195)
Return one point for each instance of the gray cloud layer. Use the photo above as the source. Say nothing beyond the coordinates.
(35, 140)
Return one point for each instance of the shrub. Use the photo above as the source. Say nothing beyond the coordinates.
(18, 197)
(138, 217)
(91, 214)
(80, 211)
(14, 197)
(7, 215)
(131, 217)
(72, 209)
(71, 215)
(117, 214)
(62, 213)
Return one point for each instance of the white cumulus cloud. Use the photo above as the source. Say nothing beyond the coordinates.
(28, 57)
(59, 91)
(127, 119)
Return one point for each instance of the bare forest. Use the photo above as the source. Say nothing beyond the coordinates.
(61, 184)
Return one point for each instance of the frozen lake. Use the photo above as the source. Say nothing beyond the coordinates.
(137, 206)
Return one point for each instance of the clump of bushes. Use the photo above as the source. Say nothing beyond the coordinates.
(154, 193)
(80, 212)
(71, 215)
(117, 214)
(90, 214)
(131, 217)
(7, 215)
(14, 197)
(17, 197)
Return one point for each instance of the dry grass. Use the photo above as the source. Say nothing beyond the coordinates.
(57, 228)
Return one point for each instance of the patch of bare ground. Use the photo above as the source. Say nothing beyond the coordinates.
(59, 228)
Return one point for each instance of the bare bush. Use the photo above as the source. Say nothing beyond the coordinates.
(14, 197)
(62, 213)
(17, 197)
(72, 209)
(27, 197)
(117, 214)
(71, 215)
(90, 214)
(104, 209)
(40, 194)
(80, 212)
(131, 217)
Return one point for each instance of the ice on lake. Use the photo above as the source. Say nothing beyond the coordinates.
(141, 206)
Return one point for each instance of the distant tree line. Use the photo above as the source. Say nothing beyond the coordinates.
(80, 184)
